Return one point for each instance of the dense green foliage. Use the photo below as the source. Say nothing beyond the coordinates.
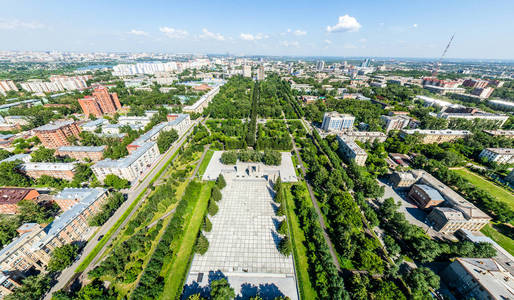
(267, 157)
(202, 244)
(116, 182)
(62, 257)
(107, 210)
(166, 139)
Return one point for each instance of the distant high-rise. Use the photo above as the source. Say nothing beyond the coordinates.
(365, 63)
(100, 103)
(320, 65)
(260, 73)
(247, 71)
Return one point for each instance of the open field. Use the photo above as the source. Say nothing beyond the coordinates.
(496, 191)
(502, 240)
(300, 252)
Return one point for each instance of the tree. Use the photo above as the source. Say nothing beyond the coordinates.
(229, 157)
(207, 225)
(11, 176)
(62, 257)
(116, 182)
(220, 182)
(33, 287)
(96, 291)
(43, 155)
(282, 228)
(421, 280)
(281, 211)
(285, 246)
(221, 290)
(213, 208)
(30, 211)
(83, 173)
(216, 194)
(202, 244)
(166, 139)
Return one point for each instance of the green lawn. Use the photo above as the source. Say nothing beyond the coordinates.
(175, 273)
(496, 191)
(502, 240)
(205, 162)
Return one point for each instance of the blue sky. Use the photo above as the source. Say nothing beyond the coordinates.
(483, 29)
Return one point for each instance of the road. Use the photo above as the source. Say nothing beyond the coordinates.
(132, 194)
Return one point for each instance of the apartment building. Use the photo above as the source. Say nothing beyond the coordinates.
(57, 83)
(203, 102)
(475, 114)
(82, 153)
(502, 104)
(475, 83)
(498, 155)
(351, 150)
(504, 133)
(55, 135)
(334, 121)
(7, 284)
(130, 167)
(100, 102)
(10, 196)
(483, 93)
(479, 278)
(247, 71)
(91, 126)
(6, 86)
(395, 122)
(441, 86)
(32, 249)
(57, 170)
(366, 136)
(68, 197)
(429, 136)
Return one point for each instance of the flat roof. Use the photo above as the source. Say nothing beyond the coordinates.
(430, 191)
(13, 195)
(127, 160)
(54, 125)
(490, 275)
(82, 148)
(42, 166)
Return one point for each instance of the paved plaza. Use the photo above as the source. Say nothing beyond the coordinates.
(243, 244)
(286, 169)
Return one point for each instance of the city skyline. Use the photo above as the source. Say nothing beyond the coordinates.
(401, 29)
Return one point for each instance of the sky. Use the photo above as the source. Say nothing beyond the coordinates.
(402, 28)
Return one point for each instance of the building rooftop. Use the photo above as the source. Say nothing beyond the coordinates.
(352, 145)
(54, 126)
(127, 160)
(82, 148)
(13, 195)
(437, 132)
(94, 123)
(450, 213)
(149, 134)
(502, 151)
(42, 166)
(490, 275)
(431, 192)
(337, 114)
(500, 132)
(21, 156)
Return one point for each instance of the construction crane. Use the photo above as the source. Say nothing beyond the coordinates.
(438, 63)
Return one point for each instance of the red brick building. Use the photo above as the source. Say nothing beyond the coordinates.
(9, 198)
(55, 135)
(101, 102)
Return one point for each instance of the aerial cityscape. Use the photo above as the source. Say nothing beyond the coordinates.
(263, 151)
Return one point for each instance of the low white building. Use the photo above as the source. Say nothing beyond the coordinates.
(498, 155)
(130, 167)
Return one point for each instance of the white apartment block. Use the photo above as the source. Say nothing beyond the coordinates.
(204, 101)
(130, 167)
(351, 150)
(498, 155)
(57, 83)
(152, 68)
(334, 121)
(6, 86)
(500, 119)
(429, 136)
(365, 136)
(395, 122)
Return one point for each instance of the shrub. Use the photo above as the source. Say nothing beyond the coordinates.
(282, 228)
(216, 194)
(220, 182)
(202, 244)
(207, 225)
(213, 208)
(285, 246)
(281, 211)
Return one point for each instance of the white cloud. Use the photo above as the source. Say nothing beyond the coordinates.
(206, 34)
(174, 33)
(138, 32)
(290, 44)
(349, 46)
(299, 32)
(363, 40)
(346, 23)
(17, 24)
(253, 37)
(415, 25)
(328, 42)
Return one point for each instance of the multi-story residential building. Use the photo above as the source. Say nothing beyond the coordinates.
(475, 83)
(505, 133)
(10, 196)
(427, 101)
(498, 155)
(134, 120)
(502, 104)
(483, 93)
(57, 170)
(55, 135)
(91, 126)
(475, 114)
(158, 67)
(395, 122)
(7, 284)
(247, 71)
(130, 167)
(6, 86)
(260, 73)
(56, 84)
(425, 196)
(32, 249)
(441, 86)
(365, 136)
(429, 136)
(68, 197)
(203, 102)
(403, 179)
(101, 102)
(334, 121)
(17, 120)
(479, 278)
(320, 65)
(93, 153)
(351, 150)
(23, 157)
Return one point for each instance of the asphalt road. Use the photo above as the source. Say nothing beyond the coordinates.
(132, 194)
